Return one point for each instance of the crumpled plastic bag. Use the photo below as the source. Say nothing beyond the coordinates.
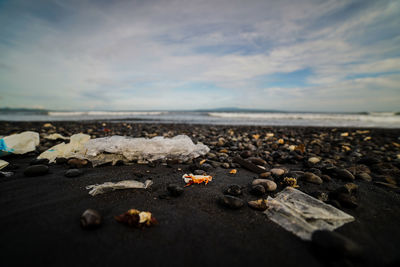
(75, 148)
(97, 189)
(180, 147)
(19, 143)
(302, 214)
(3, 164)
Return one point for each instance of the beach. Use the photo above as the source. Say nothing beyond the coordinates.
(40, 218)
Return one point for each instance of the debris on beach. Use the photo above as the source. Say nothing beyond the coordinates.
(136, 218)
(19, 143)
(74, 149)
(90, 219)
(196, 179)
(290, 181)
(302, 214)
(3, 164)
(233, 171)
(120, 148)
(260, 204)
(97, 189)
(56, 136)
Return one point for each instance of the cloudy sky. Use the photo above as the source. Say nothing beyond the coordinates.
(305, 55)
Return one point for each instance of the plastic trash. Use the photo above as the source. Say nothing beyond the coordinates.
(196, 179)
(119, 148)
(56, 136)
(19, 143)
(97, 189)
(141, 149)
(302, 214)
(3, 164)
(136, 218)
(74, 148)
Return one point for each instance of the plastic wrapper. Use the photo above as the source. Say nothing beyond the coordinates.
(75, 148)
(3, 164)
(179, 147)
(19, 143)
(97, 189)
(302, 214)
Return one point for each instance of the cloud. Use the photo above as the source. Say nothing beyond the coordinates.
(192, 54)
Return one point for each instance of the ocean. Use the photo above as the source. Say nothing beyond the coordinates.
(381, 119)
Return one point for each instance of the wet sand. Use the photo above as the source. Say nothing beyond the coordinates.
(40, 215)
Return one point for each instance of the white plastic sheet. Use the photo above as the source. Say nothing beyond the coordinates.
(97, 189)
(3, 164)
(19, 143)
(302, 214)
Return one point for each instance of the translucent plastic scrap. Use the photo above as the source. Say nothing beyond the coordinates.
(97, 189)
(180, 147)
(56, 136)
(74, 148)
(302, 214)
(19, 143)
(3, 164)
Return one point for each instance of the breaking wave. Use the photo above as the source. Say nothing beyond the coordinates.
(105, 113)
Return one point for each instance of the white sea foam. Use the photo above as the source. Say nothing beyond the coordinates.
(373, 117)
(105, 113)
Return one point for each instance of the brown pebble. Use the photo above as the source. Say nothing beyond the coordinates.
(260, 204)
(265, 175)
(77, 163)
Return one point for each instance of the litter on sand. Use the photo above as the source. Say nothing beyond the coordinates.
(302, 214)
(56, 136)
(97, 189)
(136, 218)
(3, 164)
(120, 148)
(196, 179)
(19, 143)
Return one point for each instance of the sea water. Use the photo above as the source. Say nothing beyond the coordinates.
(384, 119)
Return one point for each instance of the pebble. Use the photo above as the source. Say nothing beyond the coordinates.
(347, 201)
(248, 165)
(39, 162)
(257, 190)
(314, 160)
(225, 165)
(277, 171)
(61, 161)
(77, 163)
(245, 154)
(73, 173)
(230, 202)
(199, 172)
(175, 190)
(206, 167)
(90, 219)
(326, 178)
(335, 244)
(260, 204)
(257, 161)
(364, 176)
(312, 178)
(233, 190)
(266, 183)
(344, 175)
(36, 170)
(265, 175)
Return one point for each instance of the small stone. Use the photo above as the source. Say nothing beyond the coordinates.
(225, 165)
(175, 190)
(326, 178)
(364, 176)
(344, 175)
(277, 171)
(77, 163)
(230, 202)
(73, 173)
(260, 204)
(90, 219)
(257, 190)
(266, 183)
(347, 201)
(233, 190)
(335, 244)
(36, 170)
(265, 175)
(39, 162)
(245, 154)
(206, 167)
(351, 188)
(257, 161)
(312, 178)
(199, 172)
(248, 165)
(314, 160)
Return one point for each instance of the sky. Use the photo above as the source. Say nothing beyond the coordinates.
(303, 55)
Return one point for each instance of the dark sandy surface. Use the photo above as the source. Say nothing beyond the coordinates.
(39, 218)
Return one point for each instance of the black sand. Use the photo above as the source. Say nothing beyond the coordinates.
(39, 218)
